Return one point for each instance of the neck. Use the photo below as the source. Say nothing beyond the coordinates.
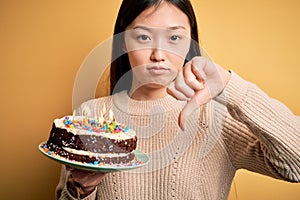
(148, 93)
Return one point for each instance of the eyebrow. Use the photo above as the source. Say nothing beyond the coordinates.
(169, 28)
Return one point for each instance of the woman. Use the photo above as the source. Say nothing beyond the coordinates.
(198, 122)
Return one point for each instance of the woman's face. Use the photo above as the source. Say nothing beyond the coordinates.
(157, 42)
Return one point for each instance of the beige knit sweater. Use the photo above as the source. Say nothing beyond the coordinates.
(241, 128)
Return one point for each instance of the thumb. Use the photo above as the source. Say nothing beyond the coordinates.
(199, 99)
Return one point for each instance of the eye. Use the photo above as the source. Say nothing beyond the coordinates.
(174, 38)
(143, 37)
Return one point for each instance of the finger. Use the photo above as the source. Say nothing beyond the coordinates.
(199, 74)
(92, 180)
(182, 87)
(87, 178)
(200, 98)
(190, 77)
(68, 168)
(175, 93)
(79, 174)
(198, 67)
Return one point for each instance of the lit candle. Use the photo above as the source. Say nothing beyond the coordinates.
(73, 116)
(101, 119)
(104, 109)
(111, 116)
(86, 113)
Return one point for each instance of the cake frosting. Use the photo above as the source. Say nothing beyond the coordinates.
(79, 125)
(90, 140)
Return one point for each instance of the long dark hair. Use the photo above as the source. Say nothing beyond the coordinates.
(129, 10)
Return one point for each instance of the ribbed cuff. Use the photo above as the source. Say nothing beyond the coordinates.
(235, 91)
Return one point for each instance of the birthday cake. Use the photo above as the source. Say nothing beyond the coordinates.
(95, 141)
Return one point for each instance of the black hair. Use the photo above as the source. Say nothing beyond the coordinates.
(128, 11)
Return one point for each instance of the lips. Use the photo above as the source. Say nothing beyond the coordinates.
(158, 70)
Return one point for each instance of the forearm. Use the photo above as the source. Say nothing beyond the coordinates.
(277, 129)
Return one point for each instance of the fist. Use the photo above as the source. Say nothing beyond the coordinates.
(197, 82)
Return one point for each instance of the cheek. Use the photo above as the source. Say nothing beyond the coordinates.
(138, 58)
(176, 62)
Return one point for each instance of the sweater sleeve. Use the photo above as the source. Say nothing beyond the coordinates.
(261, 134)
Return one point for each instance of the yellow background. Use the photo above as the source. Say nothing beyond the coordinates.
(43, 43)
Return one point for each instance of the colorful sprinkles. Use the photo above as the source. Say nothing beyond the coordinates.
(134, 162)
(93, 125)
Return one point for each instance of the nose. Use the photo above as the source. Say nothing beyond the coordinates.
(157, 55)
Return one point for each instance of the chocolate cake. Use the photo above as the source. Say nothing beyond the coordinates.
(92, 141)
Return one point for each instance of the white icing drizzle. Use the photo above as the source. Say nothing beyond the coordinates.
(92, 154)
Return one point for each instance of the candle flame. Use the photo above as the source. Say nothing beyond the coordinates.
(111, 115)
(101, 118)
(102, 113)
(86, 111)
(103, 109)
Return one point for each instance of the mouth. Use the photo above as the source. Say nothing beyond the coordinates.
(157, 69)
